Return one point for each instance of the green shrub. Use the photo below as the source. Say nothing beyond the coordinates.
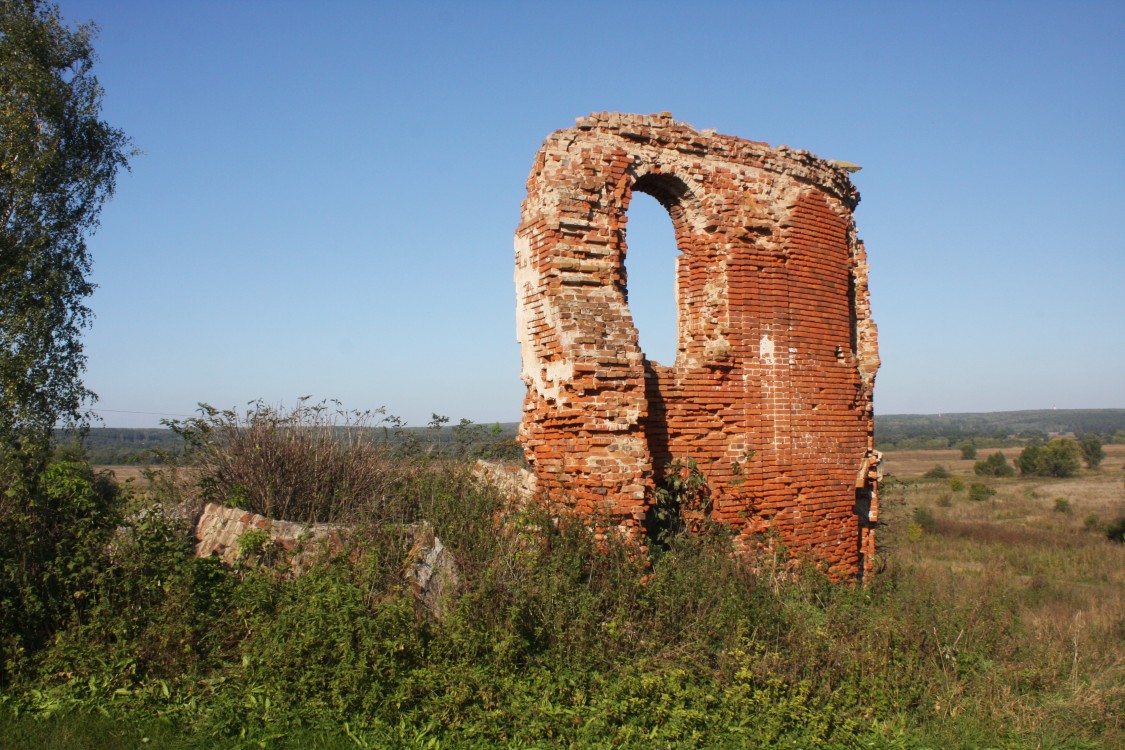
(253, 543)
(682, 497)
(996, 465)
(1062, 505)
(314, 463)
(968, 450)
(956, 484)
(1092, 522)
(1058, 458)
(1092, 451)
(52, 549)
(924, 517)
(156, 607)
(938, 472)
(552, 638)
(979, 491)
(1115, 531)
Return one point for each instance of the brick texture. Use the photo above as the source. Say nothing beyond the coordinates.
(771, 389)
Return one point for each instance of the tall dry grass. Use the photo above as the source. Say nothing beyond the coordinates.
(1047, 561)
(316, 462)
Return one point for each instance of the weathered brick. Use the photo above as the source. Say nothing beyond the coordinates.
(771, 390)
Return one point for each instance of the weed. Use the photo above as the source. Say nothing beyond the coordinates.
(995, 465)
(316, 462)
(924, 517)
(978, 491)
(938, 472)
(974, 635)
(252, 543)
(682, 497)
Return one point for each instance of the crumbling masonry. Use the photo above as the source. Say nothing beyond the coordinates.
(770, 393)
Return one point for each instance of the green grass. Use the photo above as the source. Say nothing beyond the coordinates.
(87, 731)
(997, 623)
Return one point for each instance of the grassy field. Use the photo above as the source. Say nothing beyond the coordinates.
(916, 462)
(1037, 545)
(994, 623)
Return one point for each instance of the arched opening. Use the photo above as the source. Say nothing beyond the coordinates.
(652, 264)
(650, 272)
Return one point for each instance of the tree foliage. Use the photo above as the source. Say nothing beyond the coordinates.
(938, 472)
(1059, 458)
(58, 165)
(52, 547)
(1115, 531)
(1092, 451)
(996, 465)
(978, 491)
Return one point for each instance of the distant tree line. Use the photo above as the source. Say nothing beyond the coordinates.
(968, 433)
(109, 446)
(106, 446)
(995, 429)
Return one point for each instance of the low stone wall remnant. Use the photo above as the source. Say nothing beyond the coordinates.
(428, 567)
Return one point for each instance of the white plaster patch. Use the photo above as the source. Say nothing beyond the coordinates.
(544, 377)
(765, 350)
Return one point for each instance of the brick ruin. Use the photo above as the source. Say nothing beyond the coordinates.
(770, 393)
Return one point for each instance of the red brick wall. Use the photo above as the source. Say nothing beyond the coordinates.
(771, 389)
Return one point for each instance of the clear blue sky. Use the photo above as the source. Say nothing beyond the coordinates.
(328, 191)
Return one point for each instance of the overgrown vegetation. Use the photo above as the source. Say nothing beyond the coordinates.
(52, 550)
(58, 166)
(938, 472)
(1092, 451)
(979, 491)
(996, 465)
(1058, 458)
(313, 463)
(977, 633)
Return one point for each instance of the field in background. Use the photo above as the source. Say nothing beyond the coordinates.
(1032, 502)
(917, 462)
(1039, 547)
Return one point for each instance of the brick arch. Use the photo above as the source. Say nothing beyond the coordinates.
(677, 199)
(682, 206)
(771, 390)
